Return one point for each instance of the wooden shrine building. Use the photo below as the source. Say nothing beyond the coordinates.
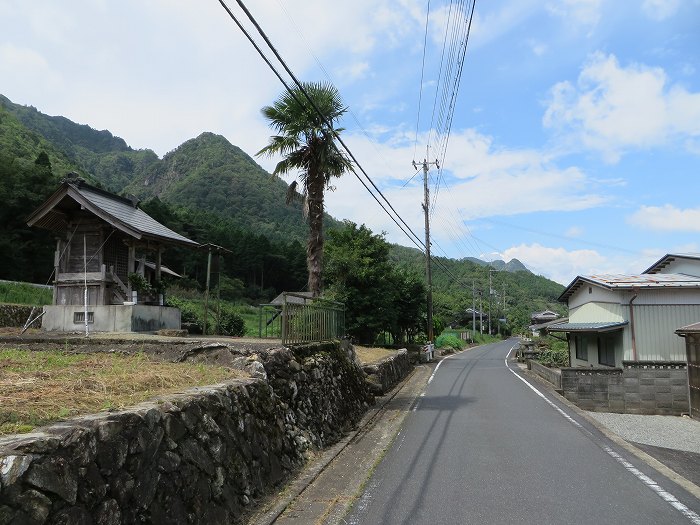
(107, 248)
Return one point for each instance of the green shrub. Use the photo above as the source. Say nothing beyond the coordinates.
(230, 323)
(449, 341)
(554, 353)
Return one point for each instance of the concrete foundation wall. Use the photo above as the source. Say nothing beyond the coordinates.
(640, 387)
(113, 318)
(552, 375)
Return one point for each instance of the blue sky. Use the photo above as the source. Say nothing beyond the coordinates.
(575, 141)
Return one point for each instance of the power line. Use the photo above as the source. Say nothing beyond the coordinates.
(300, 87)
(422, 72)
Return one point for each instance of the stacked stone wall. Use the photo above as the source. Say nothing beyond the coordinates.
(202, 456)
(15, 315)
(383, 376)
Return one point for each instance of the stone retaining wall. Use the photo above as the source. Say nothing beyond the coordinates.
(640, 387)
(202, 456)
(383, 376)
(16, 315)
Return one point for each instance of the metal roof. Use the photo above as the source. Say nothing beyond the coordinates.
(631, 282)
(586, 327)
(118, 211)
(668, 259)
(690, 329)
(546, 325)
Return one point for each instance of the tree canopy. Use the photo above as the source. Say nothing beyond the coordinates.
(378, 296)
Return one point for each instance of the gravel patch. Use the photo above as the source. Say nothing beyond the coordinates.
(678, 433)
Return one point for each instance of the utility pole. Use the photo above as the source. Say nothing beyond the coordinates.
(481, 314)
(473, 310)
(426, 210)
(490, 294)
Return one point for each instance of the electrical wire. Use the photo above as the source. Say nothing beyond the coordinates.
(301, 88)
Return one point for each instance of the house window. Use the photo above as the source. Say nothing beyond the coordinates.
(606, 350)
(79, 317)
(581, 345)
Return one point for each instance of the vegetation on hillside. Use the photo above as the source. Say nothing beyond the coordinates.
(212, 192)
(453, 292)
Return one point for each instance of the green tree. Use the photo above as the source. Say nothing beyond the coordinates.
(306, 140)
(378, 296)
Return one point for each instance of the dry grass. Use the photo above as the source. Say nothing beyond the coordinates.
(41, 387)
(369, 355)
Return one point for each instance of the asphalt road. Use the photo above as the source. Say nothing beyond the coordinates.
(482, 446)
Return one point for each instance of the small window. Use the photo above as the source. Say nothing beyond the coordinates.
(590, 289)
(606, 350)
(79, 317)
(581, 345)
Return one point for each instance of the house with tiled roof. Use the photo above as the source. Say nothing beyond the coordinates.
(108, 261)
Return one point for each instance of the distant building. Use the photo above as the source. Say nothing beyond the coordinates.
(538, 320)
(103, 241)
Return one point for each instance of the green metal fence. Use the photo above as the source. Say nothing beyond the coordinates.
(307, 320)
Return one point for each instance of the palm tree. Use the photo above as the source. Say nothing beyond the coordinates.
(306, 139)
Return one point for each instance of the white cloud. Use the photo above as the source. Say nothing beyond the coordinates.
(574, 231)
(660, 9)
(612, 109)
(538, 48)
(482, 181)
(667, 218)
(557, 264)
(579, 14)
(353, 71)
(490, 25)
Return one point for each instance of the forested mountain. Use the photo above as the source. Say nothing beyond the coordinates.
(457, 284)
(211, 191)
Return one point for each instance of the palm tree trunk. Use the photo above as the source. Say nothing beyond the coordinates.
(314, 246)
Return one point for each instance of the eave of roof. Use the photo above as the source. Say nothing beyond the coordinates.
(587, 327)
(689, 329)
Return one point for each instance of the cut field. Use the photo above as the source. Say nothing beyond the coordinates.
(369, 355)
(41, 387)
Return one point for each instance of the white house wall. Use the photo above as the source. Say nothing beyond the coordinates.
(684, 266)
(598, 313)
(597, 294)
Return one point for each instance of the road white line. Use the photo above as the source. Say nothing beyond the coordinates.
(669, 498)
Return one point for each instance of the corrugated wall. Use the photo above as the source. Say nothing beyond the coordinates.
(655, 328)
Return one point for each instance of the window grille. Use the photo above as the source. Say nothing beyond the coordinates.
(79, 317)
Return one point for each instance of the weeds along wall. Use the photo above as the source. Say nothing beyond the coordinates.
(202, 456)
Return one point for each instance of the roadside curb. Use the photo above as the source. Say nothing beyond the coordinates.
(654, 463)
(268, 515)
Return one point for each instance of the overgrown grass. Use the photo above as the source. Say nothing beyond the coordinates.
(368, 355)
(23, 293)
(41, 387)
